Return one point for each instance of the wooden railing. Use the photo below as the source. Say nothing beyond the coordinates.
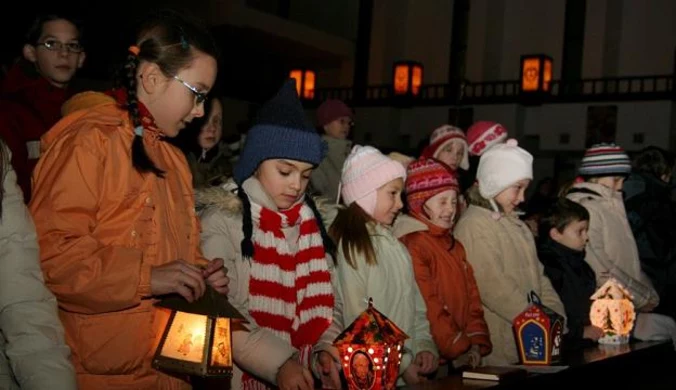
(655, 87)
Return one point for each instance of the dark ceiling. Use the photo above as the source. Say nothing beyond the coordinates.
(253, 63)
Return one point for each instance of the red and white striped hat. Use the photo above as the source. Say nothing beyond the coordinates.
(443, 136)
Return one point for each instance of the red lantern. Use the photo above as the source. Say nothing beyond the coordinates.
(538, 331)
(370, 351)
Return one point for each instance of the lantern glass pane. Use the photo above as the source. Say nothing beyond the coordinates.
(530, 79)
(416, 80)
(309, 86)
(220, 350)
(362, 370)
(298, 75)
(547, 75)
(401, 79)
(185, 340)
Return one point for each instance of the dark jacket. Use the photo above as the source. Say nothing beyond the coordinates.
(574, 281)
(29, 106)
(652, 217)
(210, 168)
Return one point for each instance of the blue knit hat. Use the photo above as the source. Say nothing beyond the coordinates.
(281, 130)
(605, 159)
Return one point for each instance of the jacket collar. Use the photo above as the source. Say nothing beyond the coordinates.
(433, 229)
(601, 190)
(254, 189)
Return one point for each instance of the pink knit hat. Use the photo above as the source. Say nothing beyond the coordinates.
(483, 135)
(443, 136)
(365, 170)
(331, 110)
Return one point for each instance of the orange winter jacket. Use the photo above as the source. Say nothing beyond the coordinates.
(102, 226)
(446, 281)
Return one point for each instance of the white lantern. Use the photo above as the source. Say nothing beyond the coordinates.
(613, 312)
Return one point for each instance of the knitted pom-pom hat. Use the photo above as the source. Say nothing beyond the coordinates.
(365, 170)
(281, 130)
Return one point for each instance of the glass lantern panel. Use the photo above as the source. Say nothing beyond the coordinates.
(185, 339)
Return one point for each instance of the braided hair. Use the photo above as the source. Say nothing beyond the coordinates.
(247, 246)
(169, 40)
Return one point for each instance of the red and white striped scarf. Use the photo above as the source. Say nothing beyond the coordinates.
(290, 291)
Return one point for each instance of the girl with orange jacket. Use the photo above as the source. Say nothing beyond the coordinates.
(114, 210)
(445, 278)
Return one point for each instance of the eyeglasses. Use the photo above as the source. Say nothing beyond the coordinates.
(200, 97)
(54, 45)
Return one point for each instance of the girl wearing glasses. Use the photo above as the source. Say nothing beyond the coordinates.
(113, 208)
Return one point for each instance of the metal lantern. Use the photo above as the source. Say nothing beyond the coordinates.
(407, 78)
(305, 83)
(197, 338)
(536, 74)
(370, 351)
(613, 312)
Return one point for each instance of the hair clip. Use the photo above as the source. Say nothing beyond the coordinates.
(184, 43)
(135, 50)
(138, 131)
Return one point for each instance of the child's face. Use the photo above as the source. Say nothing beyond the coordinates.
(284, 181)
(615, 183)
(53, 54)
(388, 202)
(339, 128)
(171, 102)
(441, 208)
(510, 198)
(451, 154)
(574, 235)
(212, 129)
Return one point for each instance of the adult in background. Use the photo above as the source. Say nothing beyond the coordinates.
(652, 217)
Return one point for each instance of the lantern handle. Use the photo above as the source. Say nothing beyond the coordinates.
(534, 298)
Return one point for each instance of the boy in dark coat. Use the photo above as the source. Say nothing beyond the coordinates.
(563, 236)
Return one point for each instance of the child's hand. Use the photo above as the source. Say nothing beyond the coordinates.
(461, 361)
(592, 333)
(328, 371)
(293, 376)
(473, 356)
(216, 275)
(412, 375)
(426, 362)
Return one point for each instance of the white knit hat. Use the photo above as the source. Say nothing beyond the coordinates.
(501, 166)
(365, 170)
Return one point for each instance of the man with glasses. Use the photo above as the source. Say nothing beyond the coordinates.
(35, 88)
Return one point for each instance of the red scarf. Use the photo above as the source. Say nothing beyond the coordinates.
(290, 291)
(147, 120)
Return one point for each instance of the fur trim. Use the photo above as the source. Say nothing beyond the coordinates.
(475, 198)
(225, 199)
(406, 224)
(220, 198)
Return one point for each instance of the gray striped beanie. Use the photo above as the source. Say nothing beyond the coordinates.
(605, 159)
